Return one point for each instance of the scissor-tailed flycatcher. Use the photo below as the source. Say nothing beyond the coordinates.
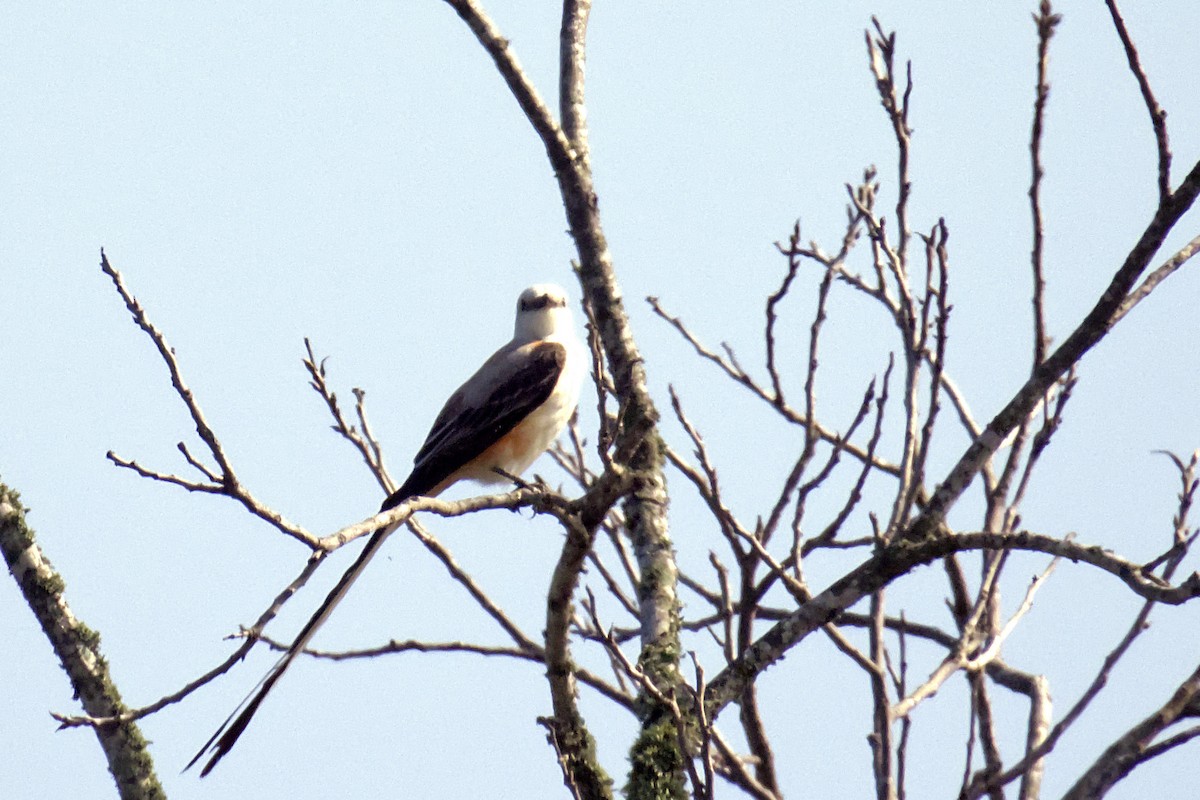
(502, 418)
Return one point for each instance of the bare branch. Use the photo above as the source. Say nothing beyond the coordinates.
(558, 147)
(1158, 748)
(572, 59)
(164, 477)
(882, 52)
(1161, 273)
(937, 302)
(772, 314)
(706, 484)
(481, 598)
(604, 388)
(203, 430)
(880, 738)
(968, 641)
(702, 787)
(362, 440)
(195, 462)
(250, 636)
(736, 772)
(827, 536)
(534, 655)
(230, 485)
(1030, 766)
(1127, 752)
(396, 646)
(1041, 440)
(740, 376)
(528, 496)
(1046, 23)
(554, 737)
(1158, 117)
(360, 410)
(992, 651)
(77, 648)
(610, 581)
(1090, 330)
(1183, 536)
(1037, 689)
(898, 559)
(811, 436)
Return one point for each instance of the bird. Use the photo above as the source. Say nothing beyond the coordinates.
(493, 427)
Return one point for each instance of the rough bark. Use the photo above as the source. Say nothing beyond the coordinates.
(78, 649)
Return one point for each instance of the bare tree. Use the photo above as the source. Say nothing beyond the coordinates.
(615, 596)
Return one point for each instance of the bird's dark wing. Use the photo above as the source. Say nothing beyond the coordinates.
(468, 426)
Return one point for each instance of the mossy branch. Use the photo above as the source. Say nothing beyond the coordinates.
(78, 649)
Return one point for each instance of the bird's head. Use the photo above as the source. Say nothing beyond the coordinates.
(542, 312)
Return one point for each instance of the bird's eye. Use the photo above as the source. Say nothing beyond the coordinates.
(539, 301)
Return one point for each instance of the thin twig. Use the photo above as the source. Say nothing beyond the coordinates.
(1129, 751)
(250, 635)
(1031, 763)
(773, 300)
(167, 353)
(362, 441)
(743, 378)
(736, 772)
(1158, 117)
(1046, 22)
(899, 559)
(1157, 276)
(1094, 327)
(228, 480)
(463, 578)
(811, 436)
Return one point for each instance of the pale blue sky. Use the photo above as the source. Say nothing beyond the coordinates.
(359, 175)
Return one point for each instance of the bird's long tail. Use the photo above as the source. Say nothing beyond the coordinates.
(227, 735)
